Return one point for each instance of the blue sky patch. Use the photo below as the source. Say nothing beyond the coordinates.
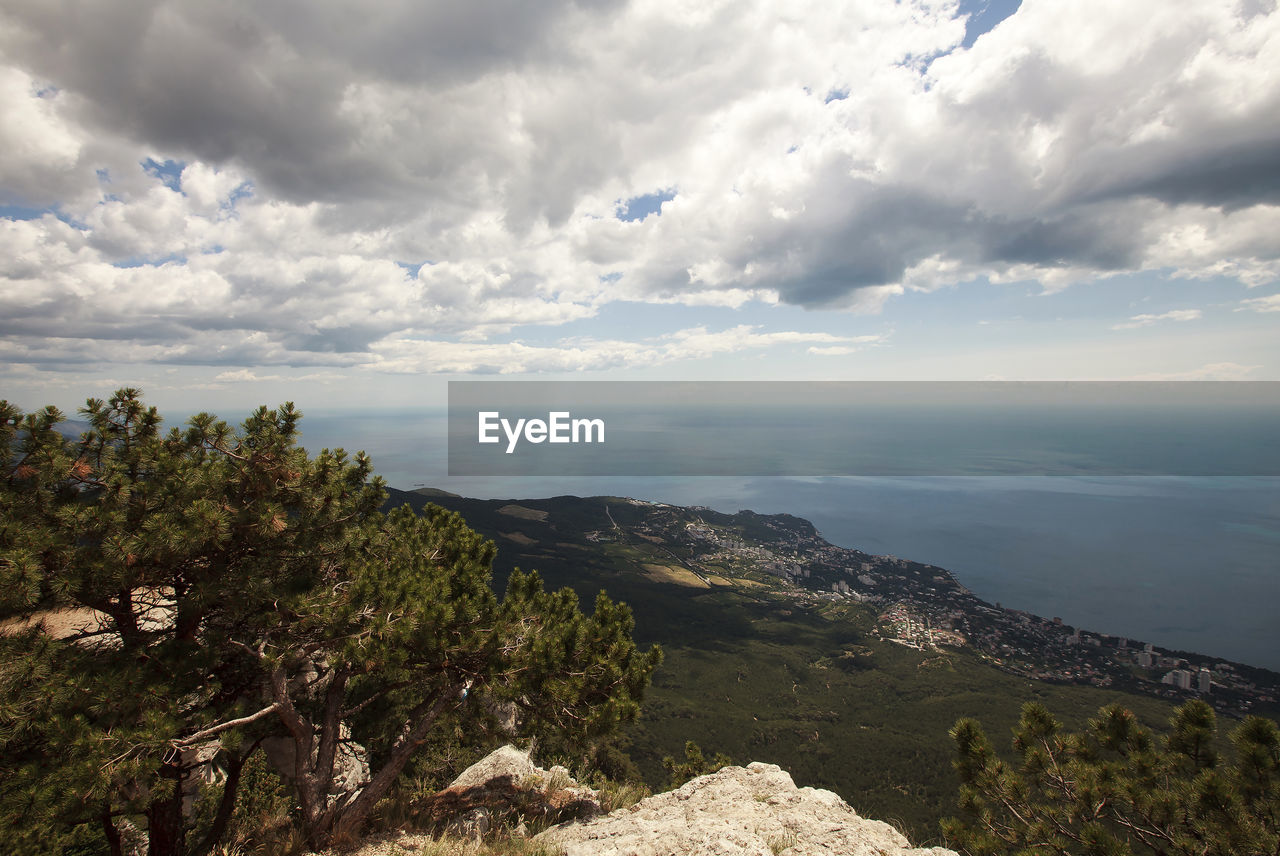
(168, 171)
(414, 267)
(150, 261)
(640, 207)
(984, 15)
(22, 212)
(244, 191)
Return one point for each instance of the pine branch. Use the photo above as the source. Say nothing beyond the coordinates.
(225, 726)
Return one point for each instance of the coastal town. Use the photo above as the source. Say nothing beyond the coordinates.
(925, 607)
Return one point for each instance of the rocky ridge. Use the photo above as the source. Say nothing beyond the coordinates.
(755, 810)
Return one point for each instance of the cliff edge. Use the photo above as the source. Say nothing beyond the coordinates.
(755, 810)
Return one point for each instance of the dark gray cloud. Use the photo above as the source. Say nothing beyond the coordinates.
(204, 81)
(409, 41)
(1228, 174)
(1096, 239)
(345, 339)
(879, 234)
(270, 86)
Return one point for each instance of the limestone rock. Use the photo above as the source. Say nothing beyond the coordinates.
(506, 788)
(506, 761)
(740, 811)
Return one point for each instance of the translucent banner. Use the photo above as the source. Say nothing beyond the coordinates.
(731, 428)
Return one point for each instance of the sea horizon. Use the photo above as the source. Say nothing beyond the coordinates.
(1186, 563)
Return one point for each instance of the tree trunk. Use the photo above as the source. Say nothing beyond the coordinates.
(310, 796)
(112, 834)
(226, 806)
(166, 832)
(351, 818)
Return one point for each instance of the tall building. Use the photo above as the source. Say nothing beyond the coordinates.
(1205, 681)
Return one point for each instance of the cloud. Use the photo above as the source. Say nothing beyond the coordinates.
(355, 181)
(240, 375)
(250, 376)
(39, 146)
(1147, 320)
(1270, 303)
(418, 355)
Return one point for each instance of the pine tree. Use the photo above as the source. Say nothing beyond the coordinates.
(1117, 789)
(694, 764)
(218, 588)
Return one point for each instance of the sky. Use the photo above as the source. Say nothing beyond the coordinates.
(346, 205)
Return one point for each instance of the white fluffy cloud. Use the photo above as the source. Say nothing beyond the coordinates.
(1147, 320)
(409, 355)
(1270, 303)
(403, 186)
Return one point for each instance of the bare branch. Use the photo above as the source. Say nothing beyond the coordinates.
(232, 723)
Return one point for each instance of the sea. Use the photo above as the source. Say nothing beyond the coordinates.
(1189, 563)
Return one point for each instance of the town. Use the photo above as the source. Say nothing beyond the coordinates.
(924, 607)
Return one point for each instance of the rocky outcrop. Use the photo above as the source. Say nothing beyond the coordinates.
(506, 789)
(755, 810)
(505, 761)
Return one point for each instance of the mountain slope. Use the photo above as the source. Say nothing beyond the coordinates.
(852, 690)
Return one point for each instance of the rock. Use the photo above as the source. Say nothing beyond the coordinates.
(556, 784)
(505, 788)
(472, 811)
(740, 811)
(506, 761)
